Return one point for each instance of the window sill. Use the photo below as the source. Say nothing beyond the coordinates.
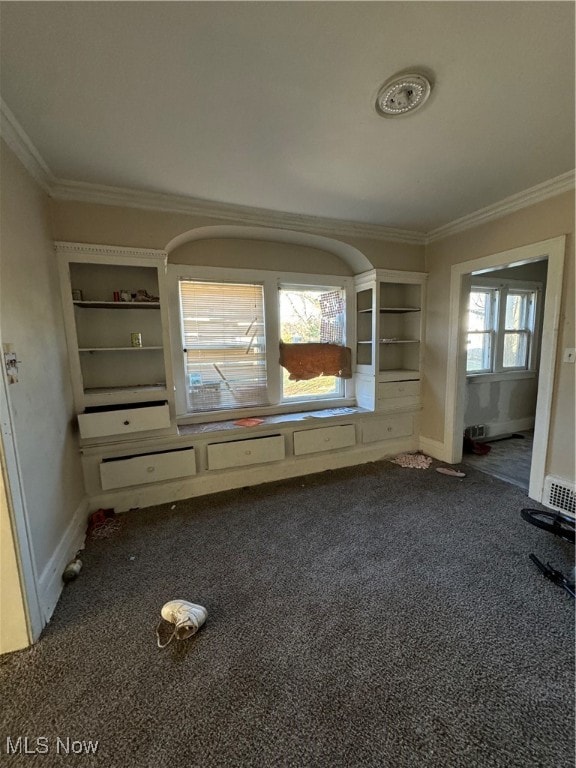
(272, 420)
(231, 414)
(483, 378)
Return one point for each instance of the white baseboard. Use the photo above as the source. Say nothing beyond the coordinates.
(495, 429)
(213, 482)
(50, 583)
(434, 448)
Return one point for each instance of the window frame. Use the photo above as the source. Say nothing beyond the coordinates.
(342, 382)
(271, 281)
(502, 288)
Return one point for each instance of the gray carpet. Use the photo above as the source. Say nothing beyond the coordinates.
(371, 616)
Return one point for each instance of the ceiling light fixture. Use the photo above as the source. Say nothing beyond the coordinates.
(402, 94)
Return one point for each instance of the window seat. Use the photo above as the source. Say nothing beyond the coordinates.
(267, 421)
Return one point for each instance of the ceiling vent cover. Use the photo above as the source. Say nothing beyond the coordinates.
(402, 94)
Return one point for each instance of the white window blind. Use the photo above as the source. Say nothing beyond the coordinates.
(224, 344)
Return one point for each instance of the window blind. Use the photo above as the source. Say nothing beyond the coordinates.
(224, 344)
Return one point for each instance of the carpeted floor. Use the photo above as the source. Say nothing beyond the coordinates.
(371, 616)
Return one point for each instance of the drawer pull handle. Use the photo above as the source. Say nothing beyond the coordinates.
(126, 422)
(149, 469)
(389, 429)
(248, 453)
(326, 439)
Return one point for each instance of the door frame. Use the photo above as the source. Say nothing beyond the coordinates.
(554, 250)
(17, 511)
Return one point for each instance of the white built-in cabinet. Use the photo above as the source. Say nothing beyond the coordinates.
(390, 338)
(116, 320)
(115, 303)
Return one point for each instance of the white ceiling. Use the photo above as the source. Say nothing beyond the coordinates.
(271, 104)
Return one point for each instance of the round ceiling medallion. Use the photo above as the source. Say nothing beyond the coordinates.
(402, 94)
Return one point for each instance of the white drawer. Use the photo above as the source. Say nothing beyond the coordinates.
(398, 389)
(240, 453)
(151, 468)
(123, 421)
(325, 439)
(376, 429)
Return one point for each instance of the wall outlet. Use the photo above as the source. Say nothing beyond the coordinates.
(569, 355)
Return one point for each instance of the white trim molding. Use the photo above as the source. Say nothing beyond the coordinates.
(80, 191)
(91, 249)
(550, 188)
(434, 448)
(50, 583)
(158, 201)
(19, 142)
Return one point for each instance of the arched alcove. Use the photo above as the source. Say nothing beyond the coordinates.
(353, 261)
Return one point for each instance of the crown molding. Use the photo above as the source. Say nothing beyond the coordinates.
(19, 142)
(531, 196)
(93, 249)
(61, 189)
(96, 193)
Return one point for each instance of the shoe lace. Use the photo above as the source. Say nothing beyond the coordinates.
(192, 619)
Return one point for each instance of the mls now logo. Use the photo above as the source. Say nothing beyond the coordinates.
(42, 745)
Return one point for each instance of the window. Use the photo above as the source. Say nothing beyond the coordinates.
(224, 344)
(311, 315)
(501, 328)
(518, 328)
(481, 329)
(231, 324)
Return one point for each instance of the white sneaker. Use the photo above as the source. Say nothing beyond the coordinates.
(186, 617)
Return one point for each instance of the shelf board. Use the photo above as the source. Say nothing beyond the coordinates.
(116, 349)
(398, 310)
(125, 388)
(398, 374)
(392, 310)
(136, 393)
(118, 304)
(399, 341)
(364, 342)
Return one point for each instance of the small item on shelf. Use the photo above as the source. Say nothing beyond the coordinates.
(76, 294)
(136, 339)
(143, 296)
(116, 295)
(125, 296)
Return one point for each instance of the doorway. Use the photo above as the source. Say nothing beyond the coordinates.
(505, 314)
(553, 251)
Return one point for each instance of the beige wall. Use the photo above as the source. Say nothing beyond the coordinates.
(41, 401)
(259, 254)
(542, 221)
(117, 225)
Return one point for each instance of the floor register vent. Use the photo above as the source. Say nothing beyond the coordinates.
(478, 430)
(560, 495)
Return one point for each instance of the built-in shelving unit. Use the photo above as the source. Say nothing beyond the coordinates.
(389, 317)
(118, 348)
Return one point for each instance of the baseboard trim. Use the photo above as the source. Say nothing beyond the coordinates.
(213, 482)
(50, 583)
(509, 427)
(434, 448)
